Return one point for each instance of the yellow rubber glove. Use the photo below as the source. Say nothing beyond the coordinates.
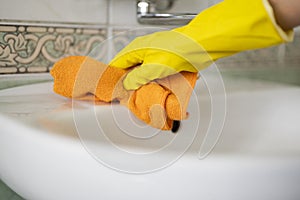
(224, 29)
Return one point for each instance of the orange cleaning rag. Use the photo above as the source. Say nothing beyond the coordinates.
(159, 103)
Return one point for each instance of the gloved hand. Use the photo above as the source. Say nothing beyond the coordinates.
(224, 29)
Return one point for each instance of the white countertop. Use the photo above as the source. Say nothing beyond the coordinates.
(257, 155)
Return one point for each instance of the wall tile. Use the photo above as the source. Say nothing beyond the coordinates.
(119, 15)
(34, 48)
(123, 13)
(91, 11)
(193, 6)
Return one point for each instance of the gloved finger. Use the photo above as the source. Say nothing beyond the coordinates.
(145, 73)
(131, 55)
(129, 59)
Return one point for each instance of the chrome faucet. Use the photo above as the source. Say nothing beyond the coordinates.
(152, 12)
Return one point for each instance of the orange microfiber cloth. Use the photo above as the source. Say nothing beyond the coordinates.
(159, 103)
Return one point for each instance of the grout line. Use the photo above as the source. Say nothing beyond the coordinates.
(109, 30)
(108, 12)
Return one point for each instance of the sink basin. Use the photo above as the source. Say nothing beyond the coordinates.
(55, 148)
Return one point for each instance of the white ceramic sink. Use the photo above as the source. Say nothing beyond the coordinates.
(42, 155)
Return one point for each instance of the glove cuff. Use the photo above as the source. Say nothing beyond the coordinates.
(287, 36)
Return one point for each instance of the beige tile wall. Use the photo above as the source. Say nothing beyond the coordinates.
(93, 11)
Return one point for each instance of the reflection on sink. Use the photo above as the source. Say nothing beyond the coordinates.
(42, 155)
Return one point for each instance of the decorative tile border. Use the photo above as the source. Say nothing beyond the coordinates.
(34, 47)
